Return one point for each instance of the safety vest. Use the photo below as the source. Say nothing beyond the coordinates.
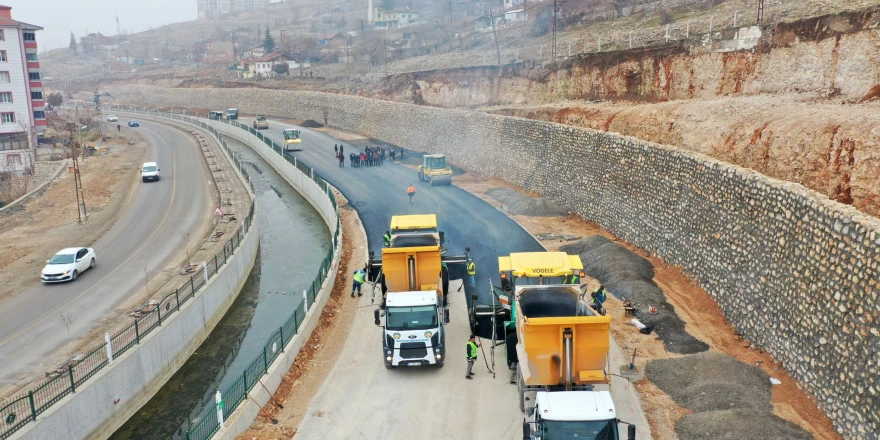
(471, 268)
(472, 349)
(387, 238)
(574, 280)
(359, 276)
(600, 296)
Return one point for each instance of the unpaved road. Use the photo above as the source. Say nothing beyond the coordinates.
(146, 235)
(360, 398)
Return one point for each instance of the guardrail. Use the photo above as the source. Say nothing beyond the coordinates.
(18, 411)
(210, 418)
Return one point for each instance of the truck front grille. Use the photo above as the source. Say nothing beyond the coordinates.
(413, 350)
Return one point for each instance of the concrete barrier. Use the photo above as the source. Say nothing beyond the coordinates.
(116, 392)
(244, 415)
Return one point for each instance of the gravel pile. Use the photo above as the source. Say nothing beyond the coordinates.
(730, 399)
(712, 381)
(309, 123)
(737, 425)
(626, 274)
(519, 204)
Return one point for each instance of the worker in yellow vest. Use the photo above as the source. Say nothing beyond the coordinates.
(359, 277)
(471, 270)
(471, 356)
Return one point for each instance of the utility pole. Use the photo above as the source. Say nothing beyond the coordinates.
(557, 6)
(450, 10)
(760, 12)
(492, 20)
(77, 181)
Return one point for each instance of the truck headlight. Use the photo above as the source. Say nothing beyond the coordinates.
(438, 356)
(388, 358)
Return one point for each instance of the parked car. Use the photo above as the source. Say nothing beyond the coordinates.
(67, 264)
(112, 118)
(149, 171)
(134, 124)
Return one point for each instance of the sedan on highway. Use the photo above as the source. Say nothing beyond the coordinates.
(134, 124)
(112, 118)
(67, 264)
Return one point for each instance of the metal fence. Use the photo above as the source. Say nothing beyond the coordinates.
(22, 409)
(210, 418)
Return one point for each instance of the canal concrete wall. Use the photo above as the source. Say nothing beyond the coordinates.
(116, 392)
(242, 418)
(797, 274)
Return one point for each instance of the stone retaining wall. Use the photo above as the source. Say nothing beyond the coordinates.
(794, 272)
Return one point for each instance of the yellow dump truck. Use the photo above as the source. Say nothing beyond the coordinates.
(558, 346)
(414, 307)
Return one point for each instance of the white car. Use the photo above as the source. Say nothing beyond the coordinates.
(112, 118)
(67, 264)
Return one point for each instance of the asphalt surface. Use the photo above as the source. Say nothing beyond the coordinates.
(32, 333)
(360, 398)
(377, 193)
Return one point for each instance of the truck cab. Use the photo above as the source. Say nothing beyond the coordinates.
(572, 414)
(413, 334)
(215, 115)
(232, 113)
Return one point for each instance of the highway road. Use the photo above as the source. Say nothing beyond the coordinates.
(360, 398)
(32, 333)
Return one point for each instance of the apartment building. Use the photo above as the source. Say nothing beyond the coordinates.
(216, 8)
(22, 106)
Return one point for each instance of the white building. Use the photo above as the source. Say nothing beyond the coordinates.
(22, 106)
(515, 15)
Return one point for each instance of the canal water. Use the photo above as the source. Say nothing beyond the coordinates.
(293, 241)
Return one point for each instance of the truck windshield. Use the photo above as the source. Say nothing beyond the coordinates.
(411, 318)
(599, 430)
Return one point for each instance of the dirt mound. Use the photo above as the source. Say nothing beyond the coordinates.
(737, 424)
(309, 123)
(712, 381)
(519, 204)
(626, 274)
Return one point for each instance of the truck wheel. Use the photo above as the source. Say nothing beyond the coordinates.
(439, 364)
(389, 366)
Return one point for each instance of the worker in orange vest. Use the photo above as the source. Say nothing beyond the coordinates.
(411, 191)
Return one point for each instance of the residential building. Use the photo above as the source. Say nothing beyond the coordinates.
(265, 66)
(394, 18)
(216, 8)
(511, 3)
(515, 15)
(329, 38)
(22, 105)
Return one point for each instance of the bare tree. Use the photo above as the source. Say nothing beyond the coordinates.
(68, 319)
(184, 234)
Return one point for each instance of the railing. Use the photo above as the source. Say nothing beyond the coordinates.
(17, 412)
(208, 422)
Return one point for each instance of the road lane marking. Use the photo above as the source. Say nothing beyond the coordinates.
(133, 254)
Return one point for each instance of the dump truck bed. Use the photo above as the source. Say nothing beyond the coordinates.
(544, 314)
(427, 261)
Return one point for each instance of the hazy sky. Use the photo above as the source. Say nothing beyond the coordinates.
(60, 17)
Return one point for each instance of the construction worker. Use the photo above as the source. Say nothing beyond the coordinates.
(597, 298)
(387, 238)
(471, 270)
(118, 127)
(573, 279)
(359, 277)
(411, 192)
(471, 356)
